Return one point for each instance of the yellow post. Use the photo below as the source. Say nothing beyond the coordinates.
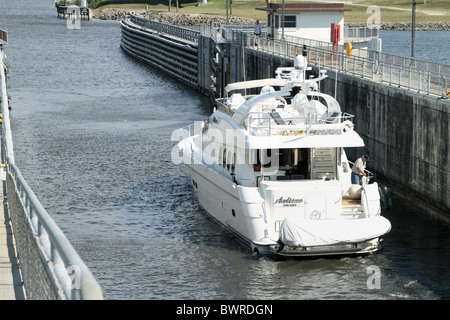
(348, 49)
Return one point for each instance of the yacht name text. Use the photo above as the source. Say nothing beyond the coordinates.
(288, 202)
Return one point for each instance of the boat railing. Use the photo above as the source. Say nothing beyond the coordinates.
(266, 124)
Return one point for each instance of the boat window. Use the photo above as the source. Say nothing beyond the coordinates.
(294, 162)
(264, 156)
(290, 21)
(224, 157)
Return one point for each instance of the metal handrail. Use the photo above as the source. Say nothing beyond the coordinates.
(57, 255)
(387, 58)
(360, 32)
(74, 280)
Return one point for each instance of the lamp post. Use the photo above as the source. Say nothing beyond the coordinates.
(282, 21)
(227, 10)
(413, 28)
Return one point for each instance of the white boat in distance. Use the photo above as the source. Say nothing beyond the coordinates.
(271, 169)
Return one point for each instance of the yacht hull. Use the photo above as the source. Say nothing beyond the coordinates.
(221, 200)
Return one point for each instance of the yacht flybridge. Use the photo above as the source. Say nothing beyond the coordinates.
(271, 168)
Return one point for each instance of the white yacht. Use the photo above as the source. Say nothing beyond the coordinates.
(271, 168)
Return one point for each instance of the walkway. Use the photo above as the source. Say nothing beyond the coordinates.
(11, 287)
(431, 79)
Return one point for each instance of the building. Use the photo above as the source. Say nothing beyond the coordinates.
(306, 20)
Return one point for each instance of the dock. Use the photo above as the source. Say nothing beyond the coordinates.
(11, 287)
(11, 284)
(73, 12)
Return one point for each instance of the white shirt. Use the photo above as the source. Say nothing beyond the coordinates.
(258, 28)
(359, 163)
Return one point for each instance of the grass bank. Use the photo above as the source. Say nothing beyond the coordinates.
(390, 10)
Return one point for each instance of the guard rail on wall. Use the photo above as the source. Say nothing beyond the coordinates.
(357, 33)
(167, 28)
(50, 266)
(421, 76)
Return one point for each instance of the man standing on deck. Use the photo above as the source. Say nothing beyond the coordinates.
(358, 169)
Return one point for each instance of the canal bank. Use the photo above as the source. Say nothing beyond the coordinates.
(405, 125)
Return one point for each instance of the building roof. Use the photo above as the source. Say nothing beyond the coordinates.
(304, 7)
